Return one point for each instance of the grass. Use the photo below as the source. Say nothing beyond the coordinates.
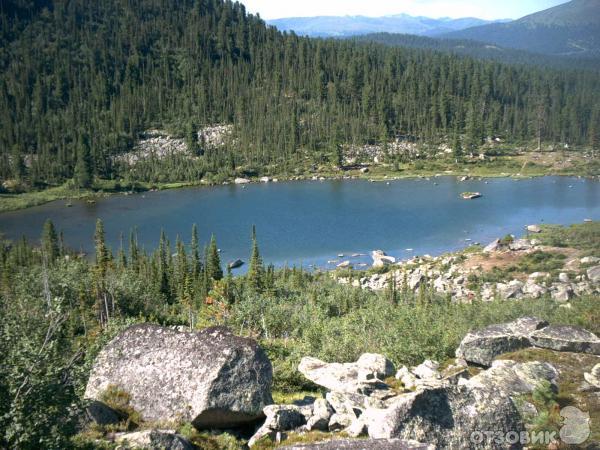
(584, 236)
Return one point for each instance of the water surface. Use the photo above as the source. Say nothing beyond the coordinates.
(312, 222)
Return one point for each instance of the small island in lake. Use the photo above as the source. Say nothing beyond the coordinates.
(470, 195)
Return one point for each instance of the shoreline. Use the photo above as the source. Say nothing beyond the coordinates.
(25, 200)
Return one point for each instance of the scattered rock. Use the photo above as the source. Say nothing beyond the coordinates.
(520, 245)
(279, 418)
(322, 412)
(154, 440)
(534, 229)
(481, 347)
(512, 378)
(210, 378)
(563, 278)
(380, 258)
(590, 260)
(564, 338)
(428, 369)
(492, 246)
(593, 378)
(348, 377)
(593, 274)
(241, 181)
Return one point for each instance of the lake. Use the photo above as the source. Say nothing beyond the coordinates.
(311, 222)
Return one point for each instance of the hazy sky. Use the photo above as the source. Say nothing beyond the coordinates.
(485, 9)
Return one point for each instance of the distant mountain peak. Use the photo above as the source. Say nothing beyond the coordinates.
(346, 26)
(572, 28)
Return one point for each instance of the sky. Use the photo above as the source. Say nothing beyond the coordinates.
(484, 9)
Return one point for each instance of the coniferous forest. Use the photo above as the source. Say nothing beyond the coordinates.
(80, 80)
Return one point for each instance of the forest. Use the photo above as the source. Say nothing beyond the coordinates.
(80, 80)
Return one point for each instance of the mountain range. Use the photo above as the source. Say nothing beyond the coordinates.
(346, 26)
(570, 29)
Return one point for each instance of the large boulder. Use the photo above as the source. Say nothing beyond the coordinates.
(210, 378)
(567, 339)
(362, 444)
(481, 347)
(512, 378)
(364, 375)
(446, 417)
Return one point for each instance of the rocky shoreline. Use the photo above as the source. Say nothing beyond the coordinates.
(459, 276)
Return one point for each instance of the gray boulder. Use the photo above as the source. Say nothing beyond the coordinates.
(102, 414)
(564, 338)
(363, 376)
(153, 440)
(492, 246)
(322, 412)
(210, 378)
(481, 347)
(593, 274)
(593, 377)
(446, 417)
(279, 418)
(511, 378)
(362, 444)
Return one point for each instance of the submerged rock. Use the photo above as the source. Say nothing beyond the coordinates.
(210, 378)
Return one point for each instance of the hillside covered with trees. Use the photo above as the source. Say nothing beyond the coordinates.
(80, 80)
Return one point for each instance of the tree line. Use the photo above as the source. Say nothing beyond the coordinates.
(80, 80)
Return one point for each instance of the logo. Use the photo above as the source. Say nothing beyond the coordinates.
(576, 425)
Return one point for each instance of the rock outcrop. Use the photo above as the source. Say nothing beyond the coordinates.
(445, 417)
(363, 375)
(210, 378)
(482, 346)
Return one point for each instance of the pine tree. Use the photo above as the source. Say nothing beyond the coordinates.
(102, 253)
(83, 171)
(18, 167)
(213, 261)
(191, 139)
(196, 264)
(256, 271)
(50, 245)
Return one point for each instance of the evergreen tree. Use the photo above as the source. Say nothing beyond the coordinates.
(196, 264)
(50, 244)
(256, 271)
(83, 171)
(213, 261)
(18, 167)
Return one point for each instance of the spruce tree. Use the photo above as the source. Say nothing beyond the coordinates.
(83, 171)
(213, 260)
(50, 244)
(256, 271)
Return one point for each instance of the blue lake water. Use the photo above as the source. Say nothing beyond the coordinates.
(312, 222)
